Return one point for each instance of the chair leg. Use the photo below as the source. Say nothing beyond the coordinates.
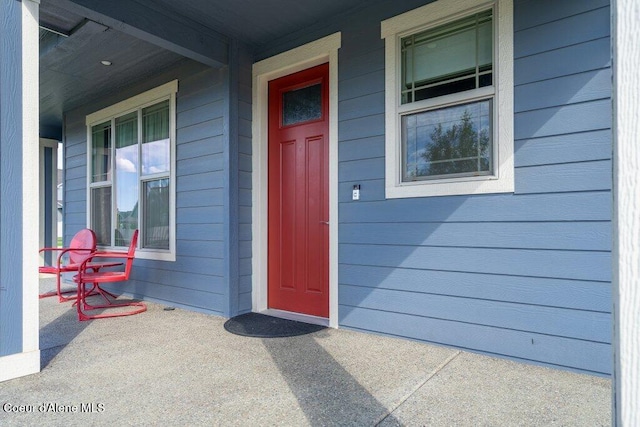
(58, 292)
(97, 290)
(62, 298)
(82, 306)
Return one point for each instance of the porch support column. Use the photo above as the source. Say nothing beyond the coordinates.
(19, 344)
(626, 215)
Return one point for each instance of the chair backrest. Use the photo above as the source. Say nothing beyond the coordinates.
(85, 239)
(131, 253)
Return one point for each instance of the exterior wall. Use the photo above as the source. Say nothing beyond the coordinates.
(626, 249)
(244, 182)
(523, 275)
(197, 279)
(19, 339)
(237, 191)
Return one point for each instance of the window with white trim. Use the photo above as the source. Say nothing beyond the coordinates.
(449, 99)
(131, 173)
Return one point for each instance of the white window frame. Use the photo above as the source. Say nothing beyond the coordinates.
(145, 99)
(429, 16)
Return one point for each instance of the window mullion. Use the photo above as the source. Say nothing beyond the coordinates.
(477, 32)
(448, 100)
(140, 190)
(114, 197)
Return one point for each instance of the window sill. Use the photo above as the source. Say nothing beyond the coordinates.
(451, 187)
(149, 254)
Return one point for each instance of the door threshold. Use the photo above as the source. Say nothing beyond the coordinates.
(298, 317)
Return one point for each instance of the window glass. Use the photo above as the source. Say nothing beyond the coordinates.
(155, 139)
(135, 192)
(448, 59)
(126, 179)
(101, 214)
(101, 152)
(449, 99)
(447, 141)
(302, 105)
(156, 214)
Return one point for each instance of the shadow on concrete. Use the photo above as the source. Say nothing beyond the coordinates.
(326, 392)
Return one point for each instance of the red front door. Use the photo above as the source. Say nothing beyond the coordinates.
(299, 192)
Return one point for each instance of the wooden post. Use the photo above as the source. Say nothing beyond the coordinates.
(626, 219)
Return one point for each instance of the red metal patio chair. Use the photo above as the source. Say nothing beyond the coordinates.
(85, 276)
(82, 245)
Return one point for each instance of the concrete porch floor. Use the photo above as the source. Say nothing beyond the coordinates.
(182, 368)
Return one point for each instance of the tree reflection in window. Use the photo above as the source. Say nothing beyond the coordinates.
(454, 141)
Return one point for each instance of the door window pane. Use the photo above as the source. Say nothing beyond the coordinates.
(448, 141)
(126, 179)
(101, 214)
(155, 139)
(101, 152)
(302, 105)
(156, 214)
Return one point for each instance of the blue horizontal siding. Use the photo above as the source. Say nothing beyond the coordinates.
(202, 181)
(360, 85)
(552, 292)
(577, 147)
(200, 114)
(75, 195)
(199, 282)
(244, 231)
(576, 265)
(199, 248)
(361, 169)
(590, 25)
(568, 177)
(362, 63)
(370, 190)
(175, 296)
(199, 131)
(532, 13)
(573, 89)
(582, 117)
(523, 275)
(361, 148)
(520, 317)
(202, 215)
(581, 236)
(580, 58)
(200, 231)
(594, 206)
(201, 164)
(361, 127)
(200, 198)
(206, 146)
(562, 352)
(74, 162)
(367, 105)
(196, 278)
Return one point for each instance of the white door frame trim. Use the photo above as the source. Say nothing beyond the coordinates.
(53, 144)
(315, 53)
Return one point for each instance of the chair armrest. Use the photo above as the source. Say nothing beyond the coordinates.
(51, 249)
(64, 251)
(85, 264)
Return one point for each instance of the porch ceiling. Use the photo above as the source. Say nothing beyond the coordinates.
(258, 22)
(76, 40)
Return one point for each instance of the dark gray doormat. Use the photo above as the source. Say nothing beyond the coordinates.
(263, 326)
